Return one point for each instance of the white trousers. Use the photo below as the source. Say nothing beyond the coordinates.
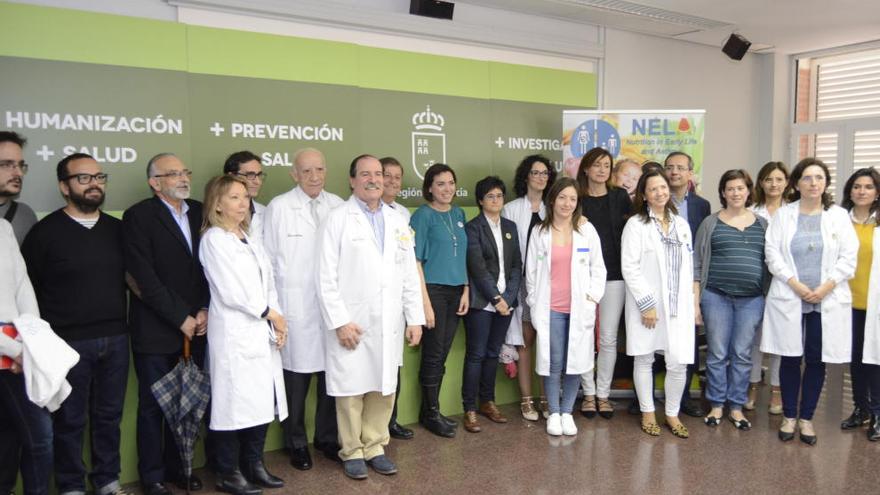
(610, 309)
(758, 362)
(644, 382)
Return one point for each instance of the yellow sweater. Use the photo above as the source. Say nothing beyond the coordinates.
(859, 284)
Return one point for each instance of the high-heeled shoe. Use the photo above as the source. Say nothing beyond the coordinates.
(528, 409)
(753, 397)
(807, 433)
(786, 429)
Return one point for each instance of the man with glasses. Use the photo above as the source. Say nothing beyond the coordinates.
(75, 261)
(12, 171)
(161, 241)
(679, 168)
(290, 236)
(22, 217)
(247, 165)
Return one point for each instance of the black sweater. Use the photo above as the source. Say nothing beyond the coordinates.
(78, 275)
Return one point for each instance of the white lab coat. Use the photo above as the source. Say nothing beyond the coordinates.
(520, 212)
(871, 349)
(255, 232)
(290, 238)
(643, 263)
(782, 330)
(404, 212)
(247, 383)
(372, 288)
(587, 280)
(46, 359)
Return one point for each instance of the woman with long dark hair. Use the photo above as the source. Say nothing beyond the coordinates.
(657, 265)
(530, 185)
(607, 208)
(770, 193)
(811, 251)
(860, 198)
(565, 279)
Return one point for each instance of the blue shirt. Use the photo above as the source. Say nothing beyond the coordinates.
(182, 220)
(682, 206)
(441, 245)
(377, 221)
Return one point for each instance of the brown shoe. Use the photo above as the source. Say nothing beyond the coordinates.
(470, 422)
(489, 410)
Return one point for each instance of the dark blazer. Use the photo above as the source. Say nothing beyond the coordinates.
(698, 210)
(482, 262)
(169, 277)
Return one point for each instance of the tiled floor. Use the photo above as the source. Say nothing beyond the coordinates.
(616, 457)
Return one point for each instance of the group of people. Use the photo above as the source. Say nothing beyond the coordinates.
(314, 286)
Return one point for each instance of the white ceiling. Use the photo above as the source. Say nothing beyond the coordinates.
(784, 26)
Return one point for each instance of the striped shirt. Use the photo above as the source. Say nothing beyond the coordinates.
(736, 267)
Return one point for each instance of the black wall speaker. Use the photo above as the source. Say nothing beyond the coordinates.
(432, 8)
(736, 46)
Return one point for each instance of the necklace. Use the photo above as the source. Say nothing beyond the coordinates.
(449, 228)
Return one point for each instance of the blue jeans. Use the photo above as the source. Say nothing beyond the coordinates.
(558, 377)
(34, 427)
(98, 381)
(731, 323)
(810, 385)
(485, 333)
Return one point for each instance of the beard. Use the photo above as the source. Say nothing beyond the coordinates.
(177, 192)
(7, 192)
(87, 204)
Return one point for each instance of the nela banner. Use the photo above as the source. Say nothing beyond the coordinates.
(642, 135)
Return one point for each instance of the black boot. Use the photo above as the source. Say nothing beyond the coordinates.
(857, 419)
(430, 417)
(449, 421)
(257, 474)
(236, 484)
(874, 428)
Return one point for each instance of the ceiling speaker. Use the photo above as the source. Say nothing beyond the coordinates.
(431, 8)
(736, 46)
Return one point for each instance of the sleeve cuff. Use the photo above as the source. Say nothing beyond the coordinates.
(265, 313)
(646, 303)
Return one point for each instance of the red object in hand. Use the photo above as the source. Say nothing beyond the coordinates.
(510, 370)
(9, 330)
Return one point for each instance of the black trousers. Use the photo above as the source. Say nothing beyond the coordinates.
(437, 341)
(865, 377)
(238, 447)
(396, 397)
(326, 434)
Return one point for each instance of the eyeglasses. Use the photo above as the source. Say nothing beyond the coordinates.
(84, 179)
(252, 175)
(679, 168)
(539, 173)
(12, 165)
(176, 174)
(493, 197)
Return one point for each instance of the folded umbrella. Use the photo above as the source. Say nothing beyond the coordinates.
(183, 396)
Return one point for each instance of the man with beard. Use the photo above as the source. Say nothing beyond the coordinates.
(161, 243)
(12, 171)
(75, 263)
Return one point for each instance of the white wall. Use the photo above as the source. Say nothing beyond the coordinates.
(643, 71)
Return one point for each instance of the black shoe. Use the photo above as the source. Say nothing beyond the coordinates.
(857, 419)
(332, 453)
(874, 428)
(430, 416)
(236, 484)
(396, 430)
(449, 421)
(195, 484)
(634, 407)
(156, 489)
(692, 408)
(257, 474)
(300, 458)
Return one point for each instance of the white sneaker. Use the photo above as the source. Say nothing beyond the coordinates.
(568, 426)
(554, 425)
